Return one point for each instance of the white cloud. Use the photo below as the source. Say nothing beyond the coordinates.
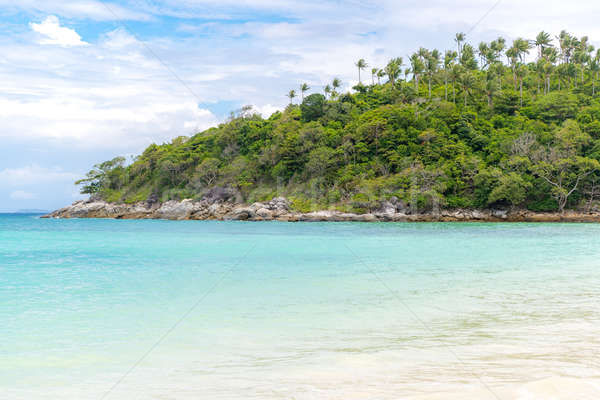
(108, 95)
(54, 33)
(85, 9)
(267, 110)
(22, 195)
(34, 174)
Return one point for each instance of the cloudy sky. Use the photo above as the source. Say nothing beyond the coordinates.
(82, 81)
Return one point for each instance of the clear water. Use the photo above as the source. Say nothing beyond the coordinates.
(297, 311)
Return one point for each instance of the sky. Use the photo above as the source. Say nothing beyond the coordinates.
(83, 81)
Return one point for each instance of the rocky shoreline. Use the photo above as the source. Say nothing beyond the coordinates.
(279, 209)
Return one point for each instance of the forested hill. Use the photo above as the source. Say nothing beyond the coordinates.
(472, 127)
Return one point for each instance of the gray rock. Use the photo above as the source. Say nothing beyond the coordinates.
(386, 207)
(502, 214)
(476, 214)
(240, 214)
(264, 213)
(176, 209)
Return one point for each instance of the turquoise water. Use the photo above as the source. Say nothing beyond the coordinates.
(233, 310)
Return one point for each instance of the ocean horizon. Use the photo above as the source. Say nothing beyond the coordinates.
(151, 309)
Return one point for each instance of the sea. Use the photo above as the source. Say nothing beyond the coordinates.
(150, 309)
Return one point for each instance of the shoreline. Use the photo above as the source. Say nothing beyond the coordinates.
(278, 209)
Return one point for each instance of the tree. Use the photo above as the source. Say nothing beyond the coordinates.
(594, 68)
(542, 41)
(459, 38)
(521, 72)
(320, 161)
(361, 65)
(291, 95)
(327, 90)
(208, 171)
(564, 175)
(432, 65)
(417, 67)
(449, 59)
(467, 83)
(374, 72)
(467, 58)
(106, 175)
(393, 68)
(336, 84)
(511, 188)
(380, 74)
(303, 89)
(313, 107)
(491, 88)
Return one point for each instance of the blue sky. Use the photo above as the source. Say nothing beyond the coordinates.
(81, 83)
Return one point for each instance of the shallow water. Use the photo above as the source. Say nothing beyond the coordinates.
(231, 310)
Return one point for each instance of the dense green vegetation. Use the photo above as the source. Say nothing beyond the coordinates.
(459, 129)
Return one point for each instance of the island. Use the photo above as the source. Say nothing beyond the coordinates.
(459, 135)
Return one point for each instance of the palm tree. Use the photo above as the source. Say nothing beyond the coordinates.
(459, 38)
(513, 59)
(327, 90)
(551, 56)
(567, 44)
(483, 52)
(548, 69)
(380, 74)
(449, 59)
(373, 75)
(361, 65)
(467, 83)
(337, 83)
(303, 89)
(491, 88)
(393, 68)
(291, 95)
(594, 68)
(521, 71)
(432, 64)
(542, 41)
(455, 74)
(417, 68)
(467, 58)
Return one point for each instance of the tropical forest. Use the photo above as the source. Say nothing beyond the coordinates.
(512, 125)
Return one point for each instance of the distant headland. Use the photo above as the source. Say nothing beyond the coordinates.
(497, 126)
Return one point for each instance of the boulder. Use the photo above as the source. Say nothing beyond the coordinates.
(175, 209)
(501, 214)
(239, 214)
(264, 213)
(280, 204)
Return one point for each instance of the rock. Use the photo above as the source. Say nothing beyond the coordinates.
(278, 208)
(316, 216)
(239, 214)
(476, 214)
(279, 204)
(386, 207)
(502, 214)
(365, 218)
(264, 213)
(175, 210)
(257, 206)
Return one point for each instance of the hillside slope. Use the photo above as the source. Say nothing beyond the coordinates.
(461, 131)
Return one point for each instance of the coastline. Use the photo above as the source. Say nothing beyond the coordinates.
(279, 209)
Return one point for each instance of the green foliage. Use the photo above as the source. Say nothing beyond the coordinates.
(511, 188)
(455, 130)
(313, 107)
